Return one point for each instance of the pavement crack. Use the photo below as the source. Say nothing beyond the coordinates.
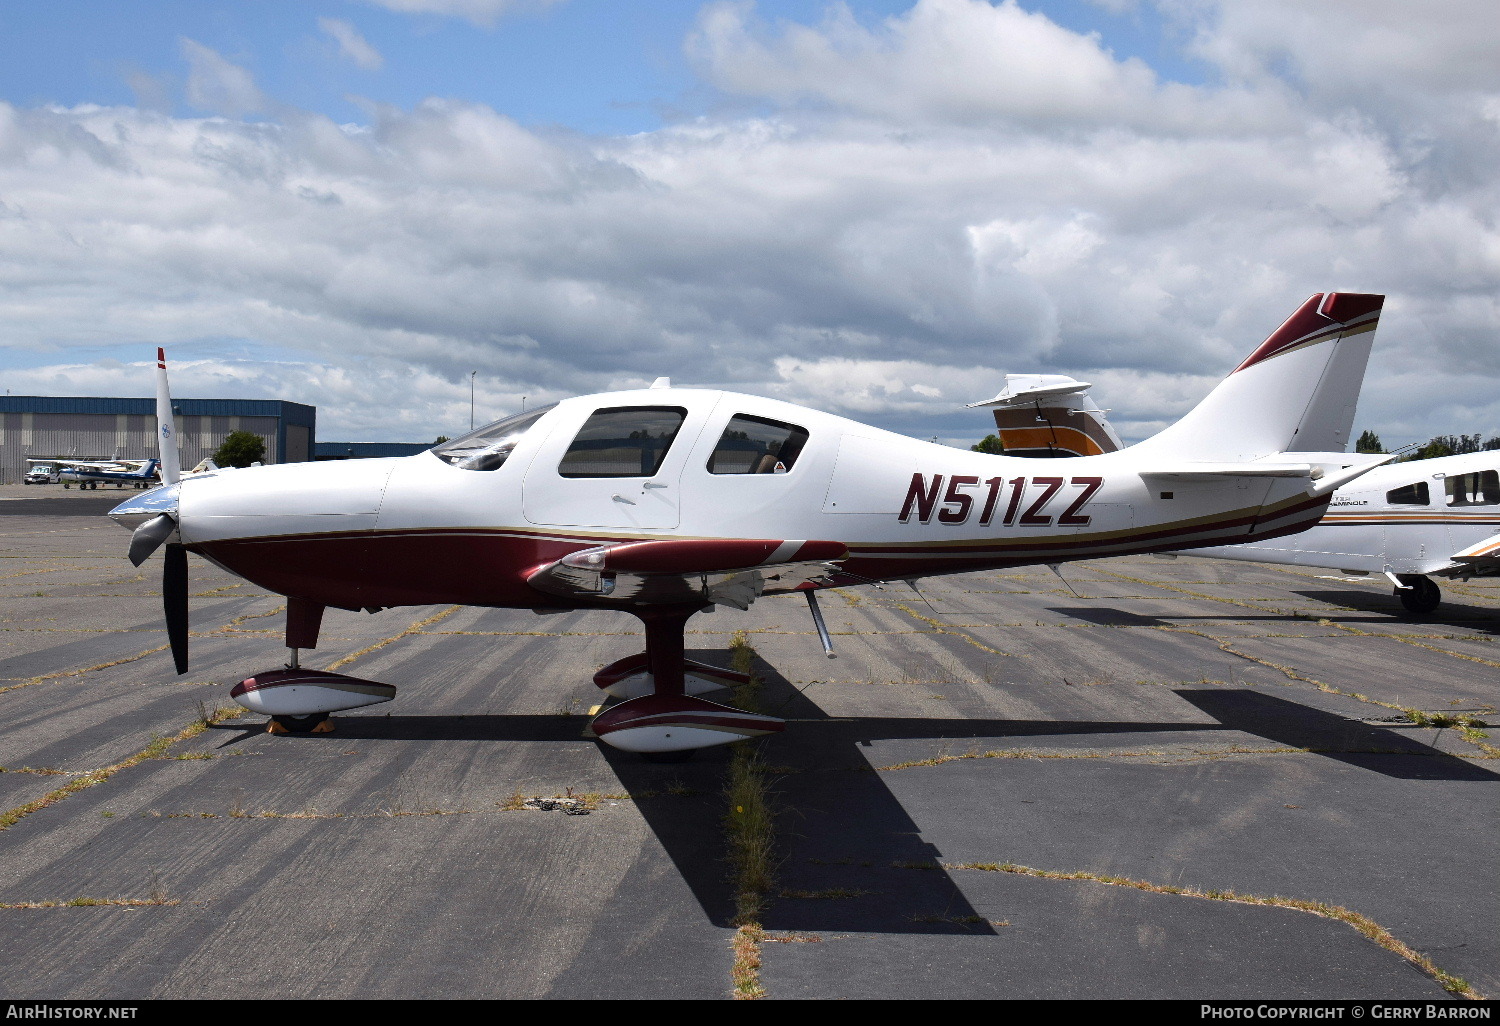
(1362, 923)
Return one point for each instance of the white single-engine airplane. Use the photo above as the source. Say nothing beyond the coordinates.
(663, 502)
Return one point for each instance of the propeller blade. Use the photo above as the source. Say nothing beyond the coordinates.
(174, 602)
(166, 425)
(147, 538)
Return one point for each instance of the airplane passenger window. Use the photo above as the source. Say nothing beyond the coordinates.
(490, 446)
(1478, 489)
(755, 445)
(1411, 495)
(625, 441)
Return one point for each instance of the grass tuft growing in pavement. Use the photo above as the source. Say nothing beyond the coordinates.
(155, 749)
(91, 902)
(750, 830)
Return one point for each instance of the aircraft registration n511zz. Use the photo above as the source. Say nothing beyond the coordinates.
(664, 502)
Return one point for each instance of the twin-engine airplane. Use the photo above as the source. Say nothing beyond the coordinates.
(664, 502)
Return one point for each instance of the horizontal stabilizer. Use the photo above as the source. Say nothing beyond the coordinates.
(1209, 471)
(1328, 471)
(1485, 554)
(1024, 389)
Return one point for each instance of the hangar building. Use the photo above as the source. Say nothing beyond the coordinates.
(61, 427)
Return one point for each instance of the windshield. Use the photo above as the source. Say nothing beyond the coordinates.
(490, 446)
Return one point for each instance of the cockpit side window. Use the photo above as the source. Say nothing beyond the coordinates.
(1409, 495)
(755, 445)
(1478, 489)
(623, 441)
(490, 446)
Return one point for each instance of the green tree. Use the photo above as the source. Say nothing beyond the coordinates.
(240, 449)
(440, 440)
(990, 444)
(1369, 441)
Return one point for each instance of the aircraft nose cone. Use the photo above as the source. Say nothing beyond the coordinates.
(138, 509)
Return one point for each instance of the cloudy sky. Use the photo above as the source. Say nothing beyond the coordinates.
(877, 207)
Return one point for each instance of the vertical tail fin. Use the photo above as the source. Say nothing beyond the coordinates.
(1296, 392)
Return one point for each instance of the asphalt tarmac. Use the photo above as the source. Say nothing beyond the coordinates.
(1159, 779)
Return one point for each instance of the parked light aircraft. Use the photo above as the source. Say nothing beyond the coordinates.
(664, 502)
(1409, 522)
(90, 473)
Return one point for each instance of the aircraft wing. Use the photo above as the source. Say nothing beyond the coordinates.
(111, 465)
(724, 571)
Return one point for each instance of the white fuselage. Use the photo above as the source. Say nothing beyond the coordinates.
(418, 529)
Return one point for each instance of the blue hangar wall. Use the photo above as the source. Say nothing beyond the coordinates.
(102, 428)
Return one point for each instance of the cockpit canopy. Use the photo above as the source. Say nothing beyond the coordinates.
(490, 446)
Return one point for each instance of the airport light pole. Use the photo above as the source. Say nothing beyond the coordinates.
(471, 399)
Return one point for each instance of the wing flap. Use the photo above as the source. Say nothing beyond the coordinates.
(732, 571)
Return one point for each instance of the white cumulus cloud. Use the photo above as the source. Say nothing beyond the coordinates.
(918, 205)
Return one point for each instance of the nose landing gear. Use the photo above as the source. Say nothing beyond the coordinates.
(1420, 595)
(299, 701)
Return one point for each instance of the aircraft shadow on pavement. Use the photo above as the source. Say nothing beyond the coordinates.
(1457, 613)
(1383, 750)
(1376, 609)
(835, 809)
(1109, 616)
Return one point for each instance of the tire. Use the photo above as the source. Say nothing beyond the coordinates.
(300, 724)
(1421, 596)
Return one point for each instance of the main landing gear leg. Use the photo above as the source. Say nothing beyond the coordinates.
(668, 725)
(666, 656)
(299, 701)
